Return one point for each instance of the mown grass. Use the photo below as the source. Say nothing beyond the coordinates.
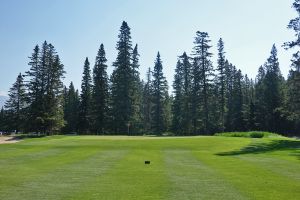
(112, 167)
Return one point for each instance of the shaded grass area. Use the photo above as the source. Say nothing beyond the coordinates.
(257, 147)
(108, 167)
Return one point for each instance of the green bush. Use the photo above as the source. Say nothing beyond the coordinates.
(251, 134)
(257, 135)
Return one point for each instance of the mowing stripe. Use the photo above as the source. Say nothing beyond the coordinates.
(275, 164)
(66, 178)
(131, 179)
(192, 179)
(253, 180)
(32, 170)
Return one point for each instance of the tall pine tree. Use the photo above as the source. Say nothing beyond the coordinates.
(237, 121)
(293, 83)
(221, 81)
(204, 73)
(160, 96)
(45, 90)
(16, 104)
(272, 84)
(85, 100)
(100, 95)
(121, 82)
(71, 108)
(182, 123)
(136, 94)
(178, 99)
(147, 103)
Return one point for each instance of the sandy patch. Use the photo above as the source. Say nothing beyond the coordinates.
(8, 140)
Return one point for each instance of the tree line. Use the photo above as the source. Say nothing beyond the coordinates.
(205, 98)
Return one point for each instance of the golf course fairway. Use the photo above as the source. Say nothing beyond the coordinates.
(113, 167)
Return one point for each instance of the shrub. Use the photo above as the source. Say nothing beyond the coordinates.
(250, 134)
(257, 135)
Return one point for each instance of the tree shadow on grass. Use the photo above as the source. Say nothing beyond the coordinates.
(275, 145)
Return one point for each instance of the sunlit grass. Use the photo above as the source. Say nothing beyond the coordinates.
(112, 167)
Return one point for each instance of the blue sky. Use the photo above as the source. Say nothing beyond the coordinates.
(77, 28)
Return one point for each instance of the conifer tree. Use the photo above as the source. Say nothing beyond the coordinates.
(45, 90)
(160, 95)
(54, 93)
(122, 80)
(136, 94)
(85, 99)
(221, 81)
(187, 91)
(3, 122)
(248, 103)
(292, 104)
(100, 95)
(71, 108)
(204, 75)
(237, 123)
(195, 98)
(182, 123)
(229, 71)
(273, 99)
(34, 87)
(178, 99)
(147, 102)
(260, 102)
(16, 104)
(167, 108)
(214, 107)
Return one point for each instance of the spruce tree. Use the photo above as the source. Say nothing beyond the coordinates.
(260, 102)
(237, 121)
(160, 95)
(85, 100)
(45, 90)
(248, 103)
(54, 93)
(35, 94)
(136, 94)
(195, 98)
(214, 106)
(122, 83)
(273, 99)
(182, 123)
(187, 91)
(293, 83)
(167, 108)
(204, 73)
(3, 122)
(16, 104)
(147, 103)
(178, 99)
(71, 108)
(221, 81)
(230, 72)
(100, 95)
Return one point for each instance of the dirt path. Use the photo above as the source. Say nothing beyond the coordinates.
(8, 140)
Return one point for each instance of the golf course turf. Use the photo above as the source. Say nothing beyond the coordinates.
(113, 167)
